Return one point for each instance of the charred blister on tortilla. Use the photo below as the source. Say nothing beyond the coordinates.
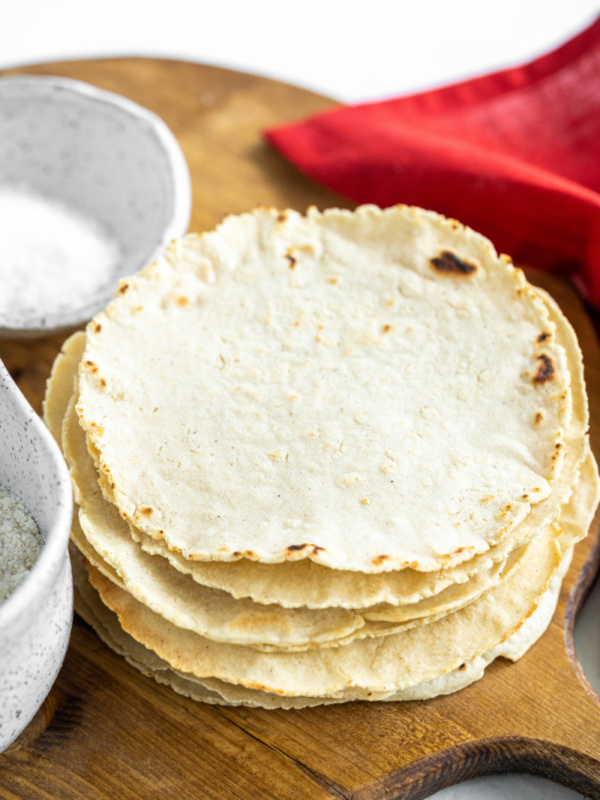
(448, 263)
(545, 370)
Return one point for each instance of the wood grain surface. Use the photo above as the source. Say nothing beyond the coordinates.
(107, 732)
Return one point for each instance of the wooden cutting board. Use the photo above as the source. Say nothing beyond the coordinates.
(107, 732)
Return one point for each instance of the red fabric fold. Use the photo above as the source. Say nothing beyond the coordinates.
(514, 154)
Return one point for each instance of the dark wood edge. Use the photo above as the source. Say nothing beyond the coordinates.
(511, 754)
(577, 596)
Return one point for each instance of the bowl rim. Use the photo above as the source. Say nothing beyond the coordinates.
(55, 547)
(180, 213)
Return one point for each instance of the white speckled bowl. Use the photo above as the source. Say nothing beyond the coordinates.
(35, 620)
(102, 155)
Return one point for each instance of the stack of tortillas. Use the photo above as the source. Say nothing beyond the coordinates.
(323, 458)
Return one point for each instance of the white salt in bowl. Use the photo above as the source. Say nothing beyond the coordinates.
(35, 620)
(111, 168)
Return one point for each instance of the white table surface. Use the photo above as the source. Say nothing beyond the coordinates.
(348, 51)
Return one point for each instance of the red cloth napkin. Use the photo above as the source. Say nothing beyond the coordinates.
(514, 154)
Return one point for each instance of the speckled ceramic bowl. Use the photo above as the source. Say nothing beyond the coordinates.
(110, 160)
(35, 620)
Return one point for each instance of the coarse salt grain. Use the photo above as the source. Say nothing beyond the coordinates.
(20, 542)
(52, 257)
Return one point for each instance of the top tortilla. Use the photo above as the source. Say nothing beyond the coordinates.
(255, 393)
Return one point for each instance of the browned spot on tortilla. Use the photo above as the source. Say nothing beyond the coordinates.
(91, 366)
(146, 511)
(293, 261)
(448, 263)
(545, 371)
(236, 554)
(487, 498)
(263, 688)
(123, 288)
(462, 667)
(97, 327)
(524, 497)
(294, 547)
(387, 328)
(182, 301)
(539, 417)
(543, 336)
(333, 281)
(456, 552)
(379, 560)
(138, 309)
(282, 216)
(250, 554)
(112, 486)
(103, 383)
(316, 548)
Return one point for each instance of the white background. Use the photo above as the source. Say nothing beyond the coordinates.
(351, 52)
